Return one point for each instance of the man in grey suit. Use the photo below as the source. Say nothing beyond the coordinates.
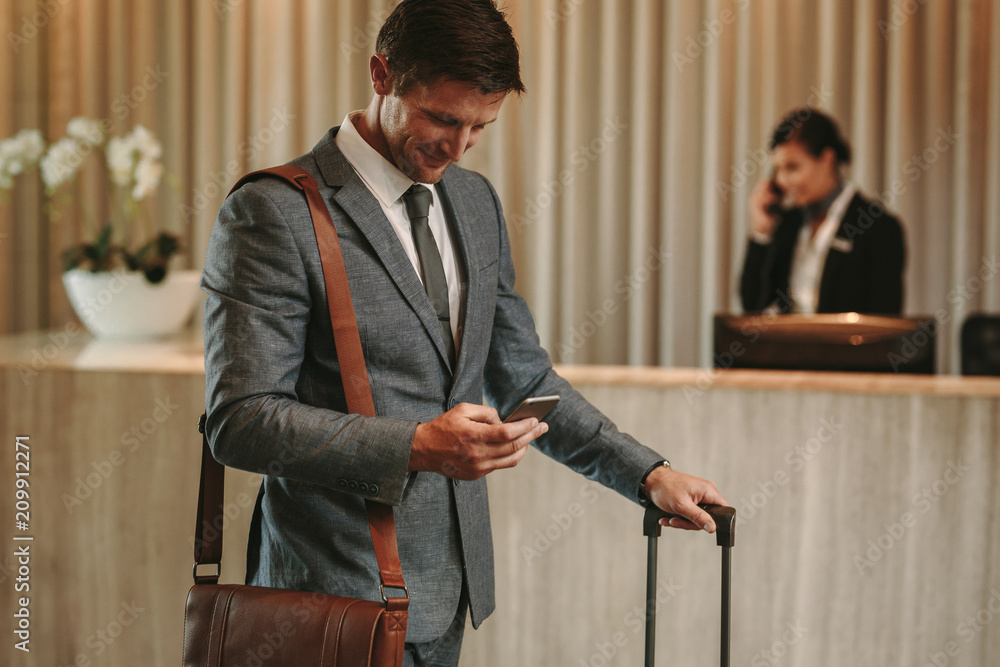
(274, 395)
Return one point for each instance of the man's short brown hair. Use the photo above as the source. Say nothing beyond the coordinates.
(460, 40)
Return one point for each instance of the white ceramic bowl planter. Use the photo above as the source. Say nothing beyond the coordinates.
(123, 304)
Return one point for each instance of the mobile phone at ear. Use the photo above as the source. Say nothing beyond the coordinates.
(779, 197)
(535, 406)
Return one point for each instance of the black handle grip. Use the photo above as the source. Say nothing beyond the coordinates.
(723, 515)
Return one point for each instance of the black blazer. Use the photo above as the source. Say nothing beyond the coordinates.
(863, 272)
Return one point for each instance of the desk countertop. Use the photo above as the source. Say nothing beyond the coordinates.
(72, 348)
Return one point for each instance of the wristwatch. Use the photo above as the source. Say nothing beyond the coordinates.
(643, 500)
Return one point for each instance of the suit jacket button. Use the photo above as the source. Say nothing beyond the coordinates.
(373, 489)
(342, 483)
(362, 487)
(352, 485)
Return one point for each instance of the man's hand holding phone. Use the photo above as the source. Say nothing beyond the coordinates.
(469, 441)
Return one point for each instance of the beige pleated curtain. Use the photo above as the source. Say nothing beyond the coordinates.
(624, 171)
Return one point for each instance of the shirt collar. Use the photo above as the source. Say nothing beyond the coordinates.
(834, 215)
(383, 178)
(818, 210)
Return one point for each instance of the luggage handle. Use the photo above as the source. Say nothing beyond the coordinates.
(723, 515)
(725, 522)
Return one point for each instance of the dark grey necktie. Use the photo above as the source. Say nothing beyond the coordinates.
(418, 202)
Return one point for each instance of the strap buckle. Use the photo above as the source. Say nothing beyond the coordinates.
(206, 578)
(381, 589)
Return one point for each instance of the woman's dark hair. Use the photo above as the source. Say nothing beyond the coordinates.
(460, 40)
(815, 131)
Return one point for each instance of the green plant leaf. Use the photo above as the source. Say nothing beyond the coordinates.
(103, 244)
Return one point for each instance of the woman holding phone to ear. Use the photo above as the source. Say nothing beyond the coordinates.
(816, 245)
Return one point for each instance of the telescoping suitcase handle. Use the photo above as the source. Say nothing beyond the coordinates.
(725, 522)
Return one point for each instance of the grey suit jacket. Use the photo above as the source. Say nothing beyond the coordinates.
(276, 404)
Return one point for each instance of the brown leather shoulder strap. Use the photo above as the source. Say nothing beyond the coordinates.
(353, 373)
(208, 529)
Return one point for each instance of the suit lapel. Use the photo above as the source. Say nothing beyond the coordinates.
(459, 215)
(359, 204)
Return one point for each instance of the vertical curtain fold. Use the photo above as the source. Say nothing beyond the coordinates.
(990, 230)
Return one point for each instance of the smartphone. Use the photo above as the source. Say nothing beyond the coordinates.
(779, 195)
(535, 406)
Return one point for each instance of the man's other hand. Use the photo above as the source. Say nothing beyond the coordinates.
(680, 493)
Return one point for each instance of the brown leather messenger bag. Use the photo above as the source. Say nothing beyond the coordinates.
(231, 624)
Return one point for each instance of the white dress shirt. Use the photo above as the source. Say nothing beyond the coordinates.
(388, 183)
(810, 254)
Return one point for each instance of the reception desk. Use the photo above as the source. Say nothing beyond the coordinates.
(868, 525)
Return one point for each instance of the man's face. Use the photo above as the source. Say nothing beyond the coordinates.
(429, 127)
(805, 179)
